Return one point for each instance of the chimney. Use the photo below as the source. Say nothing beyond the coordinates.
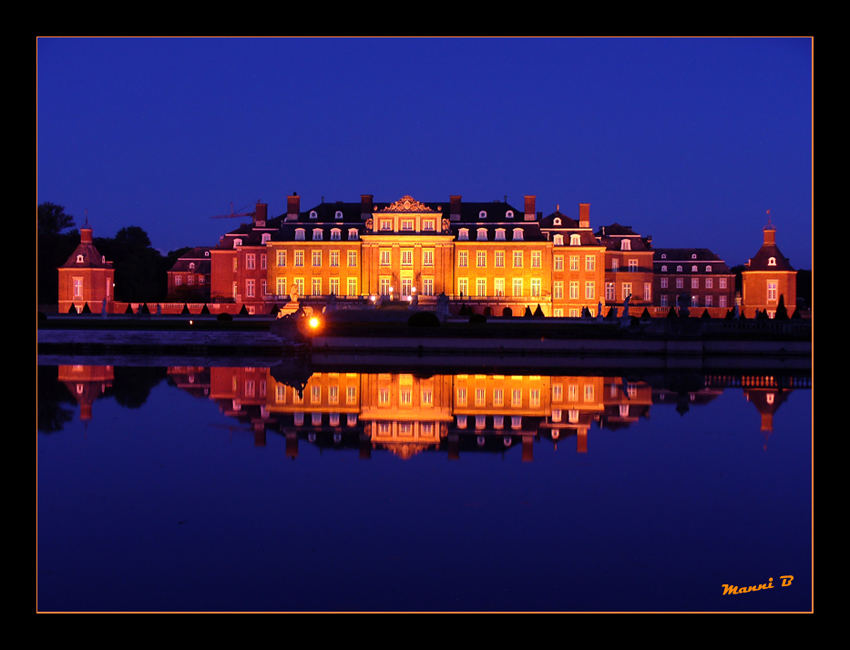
(454, 212)
(293, 207)
(261, 214)
(584, 215)
(85, 235)
(366, 204)
(530, 213)
(769, 235)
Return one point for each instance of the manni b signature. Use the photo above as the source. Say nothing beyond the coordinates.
(734, 589)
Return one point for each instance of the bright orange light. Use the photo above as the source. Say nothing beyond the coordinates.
(314, 322)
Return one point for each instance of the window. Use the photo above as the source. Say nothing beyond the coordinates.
(535, 287)
(317, 234)
(482, 234)
(499, 286)
(663, 299)
(178, 280)
(694, 269)
(334, 258)
(708, 300)
(517, 234)
(427, 257)
(590, 262)
(281, 289)
(609, 291)
(558, 290)
(482, 214)
(680, 283)
(352, 286)
(559, 262)
(517, 287)
(352, 259)
(407, 257)
(386, 225)
(299, 286)
(625, 245)
(352, 234)
(517, 259)
(615, 265)
(317, 258)
(695, 301)
(573, 262)
(385, 257)
(336, 234)
(498, 397)
(463, 286)
(78, 287)
(428, 225)
(535, 259)
(80, 259)
(693, 256)
(314, 214)
(249, 288)
(627, 290)
(481, 287)
(559, 240)
(481, 259)
(709, 283)
(679, 268)
(406, 286)
(647, 291)
(338, 214)
(385, 286)
(590, 290)
(771, 261)
(500, 259)
(516, 397)
(299, 258)
(633, 266)
(263, 259)
(574, 290)
(299, 234)
(500, 234)
(334, 286)
(317, 287)
(428, 286)
(407, 225)
(462, 259)
(463, 234)
(708, 268)
(722, 300)
(722, 283)
(694, 283)
(575, 239)
(772, 289)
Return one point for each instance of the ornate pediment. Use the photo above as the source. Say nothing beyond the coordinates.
(407, 204)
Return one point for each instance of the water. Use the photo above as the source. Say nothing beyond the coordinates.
(219, 489)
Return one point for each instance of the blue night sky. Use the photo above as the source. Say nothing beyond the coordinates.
(688, 140)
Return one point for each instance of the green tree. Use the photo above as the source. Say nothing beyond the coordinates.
(52, 219)
(54, 248)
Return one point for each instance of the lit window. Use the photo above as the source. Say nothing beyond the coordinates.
(352, 259)
(663, 283)
(462, 259)
(317, 258)
(317, 234)
(535, 259)
(500, 259)
(463, 234)
(427, 257)
(625, 245)
(575, 239)
(771, 261)
(517, 234)
(482, 234)
(481, 259)
(559, 262)
(590, 263)
(299, 234)
(336, 234)
(559, 240)
(500, 234)
(352, 234)
(518, 259)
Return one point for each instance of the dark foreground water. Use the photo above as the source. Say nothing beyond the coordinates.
(225, 489)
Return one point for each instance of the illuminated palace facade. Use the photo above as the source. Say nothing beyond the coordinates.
(490, 257)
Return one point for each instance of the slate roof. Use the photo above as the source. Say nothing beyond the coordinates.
(92, 259)
(199, 256)
(761, 261)
(699, 256)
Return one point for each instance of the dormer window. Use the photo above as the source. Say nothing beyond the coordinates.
(500, 234)
(191, 266)
(314, 214)
(237, 242)
(428, 225)
(693, 256)
(386, 224)
(517, 234)
(664, 268)
(317, 234)
(575, 239)
(206, 253)
(336, 234)
(352, 234)
(771, 261)
(557, 221)
(299, 234)
(338, 214)
(625, 245)
(694, 268)
(509, 214)
(679, 268)
(463, 234)
(482, 214)
(559, 240)
(708, 268)
(80, 259)
(663, 256)
(482, 234)
(266, 237)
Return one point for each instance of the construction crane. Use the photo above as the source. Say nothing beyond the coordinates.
(240, 213)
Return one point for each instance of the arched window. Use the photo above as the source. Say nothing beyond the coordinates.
(694, 268)
(575, 239)
(679, 268)
(482, 234)
(336, 234)
(664, 268)
(517, 234)
(317, 234)
(338, 214)
(771, 261)
(352, 234)
(463, 234)
(708, 268)
(80, 259)
(557, 221)
(625, 245)
(482, 214)
(314, 214)
(559, 240)
(299, 234)
(500, 234)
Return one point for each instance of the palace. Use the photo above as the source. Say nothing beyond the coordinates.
(487, 258)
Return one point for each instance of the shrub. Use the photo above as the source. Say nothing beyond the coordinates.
(423, 319)
(224, 316)
(478, 318)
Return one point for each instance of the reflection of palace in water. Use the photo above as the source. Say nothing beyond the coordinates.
(408, 413)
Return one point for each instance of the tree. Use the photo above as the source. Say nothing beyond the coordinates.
(52, 219)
